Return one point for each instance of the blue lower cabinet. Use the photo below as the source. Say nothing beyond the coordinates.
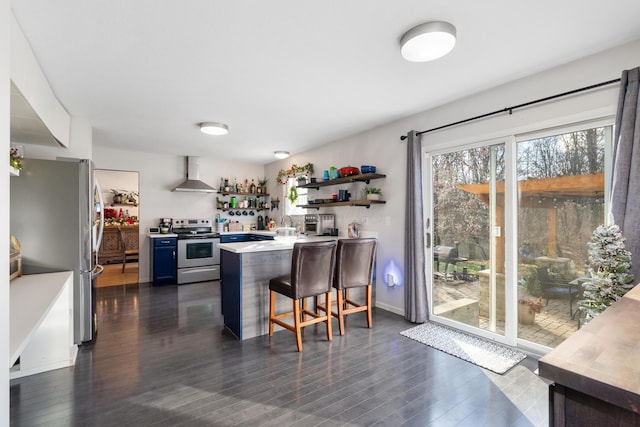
(234, 238)
(259, 237)
(163, 260)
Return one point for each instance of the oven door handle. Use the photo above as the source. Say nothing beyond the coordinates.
(194, 270)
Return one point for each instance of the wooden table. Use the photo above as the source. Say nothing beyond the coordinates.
(596, 371)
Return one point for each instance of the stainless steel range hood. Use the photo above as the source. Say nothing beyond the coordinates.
(193, 183)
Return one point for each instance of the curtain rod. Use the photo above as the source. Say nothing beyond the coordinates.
(510, 109)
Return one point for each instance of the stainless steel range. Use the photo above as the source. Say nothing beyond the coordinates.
(198, 253)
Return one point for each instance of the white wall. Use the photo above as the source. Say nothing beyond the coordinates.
(32, 83)
(5, 12)
(80, 144)
(158, 175)
(382, 147)
(124, 181)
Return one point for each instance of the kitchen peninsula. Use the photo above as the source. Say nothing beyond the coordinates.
(246, 268)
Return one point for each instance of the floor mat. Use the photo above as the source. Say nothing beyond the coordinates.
(484, 353)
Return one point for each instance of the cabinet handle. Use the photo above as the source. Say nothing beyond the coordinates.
(174, 254)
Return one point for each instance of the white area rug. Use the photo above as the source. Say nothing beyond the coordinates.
(486, 354)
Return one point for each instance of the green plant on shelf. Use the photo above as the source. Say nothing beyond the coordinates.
(372, 190)
(15, 158)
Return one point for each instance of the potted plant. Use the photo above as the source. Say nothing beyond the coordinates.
(372, 193)
(262, 185)
(527, 310)
(15, 157)
(609, 264)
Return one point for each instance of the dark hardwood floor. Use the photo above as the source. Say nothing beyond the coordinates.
(161, 358)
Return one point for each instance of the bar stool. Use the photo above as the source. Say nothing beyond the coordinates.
(312, 268)
(354, 269)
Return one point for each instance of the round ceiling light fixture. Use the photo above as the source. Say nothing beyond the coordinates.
(213, 128)
(428, 41)
(281, 154)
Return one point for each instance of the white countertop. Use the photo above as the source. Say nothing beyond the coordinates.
(268, 245)
(32, 296)
(256, 232)
(160, 235)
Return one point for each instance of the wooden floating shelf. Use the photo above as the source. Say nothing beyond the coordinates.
(365, 203)
(365, 177)
(244, 194)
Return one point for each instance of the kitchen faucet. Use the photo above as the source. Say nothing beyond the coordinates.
(290, 220)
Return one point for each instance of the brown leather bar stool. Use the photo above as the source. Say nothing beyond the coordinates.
(354, 269)
(312, 267)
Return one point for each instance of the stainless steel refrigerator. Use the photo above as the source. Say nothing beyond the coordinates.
(55, 214)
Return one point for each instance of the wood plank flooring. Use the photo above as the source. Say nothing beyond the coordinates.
(113, 275)
(161, 358)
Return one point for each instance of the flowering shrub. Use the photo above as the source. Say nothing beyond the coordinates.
(609, 264)
(535, 306)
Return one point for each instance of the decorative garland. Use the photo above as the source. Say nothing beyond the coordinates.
(295, 171)
(293, 194)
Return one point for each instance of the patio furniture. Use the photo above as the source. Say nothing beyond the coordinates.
(447, 255)
(557, 289)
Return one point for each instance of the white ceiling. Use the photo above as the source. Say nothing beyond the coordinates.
(290, 74)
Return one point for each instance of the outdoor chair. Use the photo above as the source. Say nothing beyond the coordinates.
(553, 288)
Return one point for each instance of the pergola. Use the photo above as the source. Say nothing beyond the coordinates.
(543, 193)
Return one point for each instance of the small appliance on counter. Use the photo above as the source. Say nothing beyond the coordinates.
(166, 225)
(319, 224)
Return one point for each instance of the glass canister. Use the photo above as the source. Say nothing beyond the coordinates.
(234, 202)
(353, 230)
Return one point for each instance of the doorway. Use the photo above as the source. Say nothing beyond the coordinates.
(467, 254)
(511, 221)
(120, 192)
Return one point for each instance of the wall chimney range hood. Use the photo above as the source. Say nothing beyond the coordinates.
(193, 183)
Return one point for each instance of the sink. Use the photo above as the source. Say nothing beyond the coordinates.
(286, 233)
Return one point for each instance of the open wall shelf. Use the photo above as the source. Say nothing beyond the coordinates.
(365, 177)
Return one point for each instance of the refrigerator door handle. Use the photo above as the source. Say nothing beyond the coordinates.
(100, 207)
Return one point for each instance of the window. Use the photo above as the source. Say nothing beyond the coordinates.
(292, 208)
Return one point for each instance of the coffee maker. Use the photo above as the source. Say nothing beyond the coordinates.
(166, 225)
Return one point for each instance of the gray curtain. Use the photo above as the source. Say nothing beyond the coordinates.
(625, 194)
(415, 289)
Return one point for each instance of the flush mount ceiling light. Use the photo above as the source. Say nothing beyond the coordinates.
(213, 128)
(281, 154)
(428, 41)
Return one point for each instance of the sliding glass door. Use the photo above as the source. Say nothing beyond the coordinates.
(508, 224)
(468, 247)
(561, 200)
